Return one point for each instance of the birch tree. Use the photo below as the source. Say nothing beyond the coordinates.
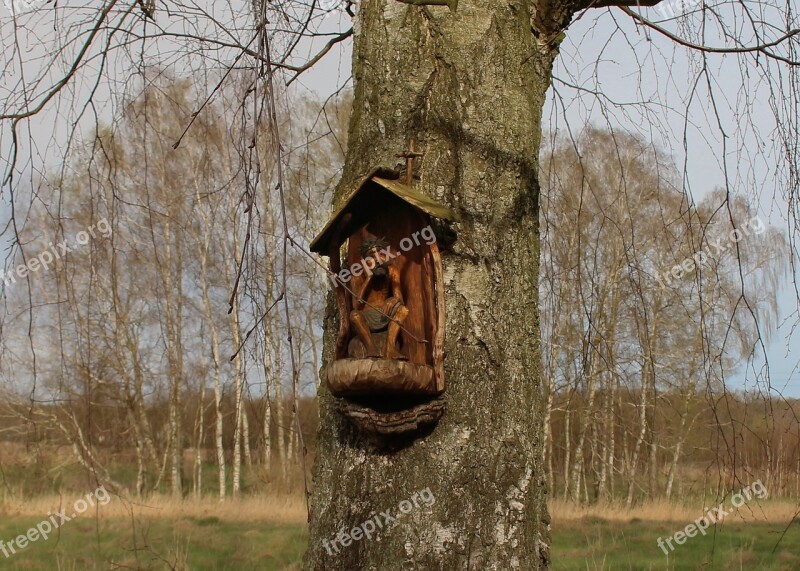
(468, 82)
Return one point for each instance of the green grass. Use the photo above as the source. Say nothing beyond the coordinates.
(208, 543)
(595, 544)
(87, 544)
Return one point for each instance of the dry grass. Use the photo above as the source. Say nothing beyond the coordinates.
(767, 511)
(272, 509)
(291, 509)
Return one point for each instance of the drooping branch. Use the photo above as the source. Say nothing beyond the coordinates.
(321, 54)
(761, 48)
(16, 117)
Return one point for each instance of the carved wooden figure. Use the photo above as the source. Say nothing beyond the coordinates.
(378, 302)
(387, 275)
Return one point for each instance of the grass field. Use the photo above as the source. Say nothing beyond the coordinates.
(270, 534)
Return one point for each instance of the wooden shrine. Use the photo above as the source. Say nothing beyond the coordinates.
(387, 273)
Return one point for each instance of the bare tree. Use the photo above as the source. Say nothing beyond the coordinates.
(469, 83)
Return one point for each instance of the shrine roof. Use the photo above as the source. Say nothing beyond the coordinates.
(352, 213)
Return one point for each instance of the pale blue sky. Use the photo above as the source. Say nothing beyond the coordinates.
(605, 52)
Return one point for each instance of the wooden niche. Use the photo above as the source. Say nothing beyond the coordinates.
(387, 273)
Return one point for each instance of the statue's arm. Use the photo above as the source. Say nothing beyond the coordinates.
(397, 291)
(360, 287)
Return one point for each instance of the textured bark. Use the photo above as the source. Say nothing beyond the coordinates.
(469, 86)
(248, 455)
(200, 445)
(215, 359)
(239, 404)
(173, 321)
(567, 450)
(267, 424)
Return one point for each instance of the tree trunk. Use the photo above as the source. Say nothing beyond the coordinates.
(218, 442)
(547, 447)
(267, 424)
(606, 440)
(280, 416)
(611, 437)
(215, 361)
(586, 420)
(567, 447)
(248, 456)
(237, 425)
(634, 460)
(201, 439)
(652, 458)
(173, 319)
(239, 377)
(646, 342)
(141, 468)
(469, 86)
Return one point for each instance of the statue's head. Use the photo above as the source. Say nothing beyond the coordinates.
(376, 248)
